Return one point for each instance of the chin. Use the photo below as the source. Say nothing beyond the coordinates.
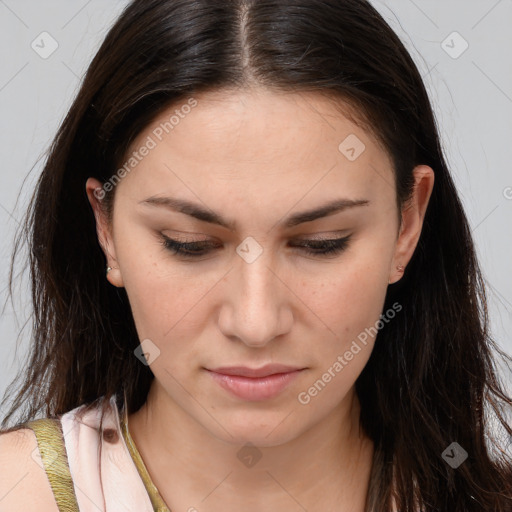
(261, 429)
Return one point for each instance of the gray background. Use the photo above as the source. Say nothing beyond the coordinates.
(471, 93)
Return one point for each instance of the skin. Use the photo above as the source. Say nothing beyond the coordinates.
(255, 157)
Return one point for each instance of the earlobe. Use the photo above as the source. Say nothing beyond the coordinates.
(400, 270)
(114, 277)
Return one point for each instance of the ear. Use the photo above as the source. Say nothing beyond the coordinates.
(413, 214)
(95, 194)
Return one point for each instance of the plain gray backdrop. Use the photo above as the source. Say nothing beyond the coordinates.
(462, 48)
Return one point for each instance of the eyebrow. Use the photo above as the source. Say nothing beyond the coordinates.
(199, 212)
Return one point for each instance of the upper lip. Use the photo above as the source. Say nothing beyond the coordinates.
(264, 371)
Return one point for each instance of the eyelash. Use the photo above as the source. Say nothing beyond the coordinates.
(325, 248)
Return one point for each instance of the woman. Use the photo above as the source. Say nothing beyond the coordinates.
(293, 316)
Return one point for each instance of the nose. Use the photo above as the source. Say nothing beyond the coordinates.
(257, 302)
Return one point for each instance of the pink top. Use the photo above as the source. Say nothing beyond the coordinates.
(105, 476)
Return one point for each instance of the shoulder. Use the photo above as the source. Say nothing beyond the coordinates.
(23, 480)
(57, 454)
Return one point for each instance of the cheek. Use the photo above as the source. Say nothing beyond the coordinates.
(166, 305)
(168, 311)
(348, 299)
(349, 305)
(164, 295)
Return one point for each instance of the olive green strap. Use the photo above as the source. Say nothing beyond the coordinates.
(156, 500)
(50, 441)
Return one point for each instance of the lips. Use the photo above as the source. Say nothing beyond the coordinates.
(264, 371)
(255, 384)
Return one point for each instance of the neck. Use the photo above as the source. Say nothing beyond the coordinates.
(328, 464)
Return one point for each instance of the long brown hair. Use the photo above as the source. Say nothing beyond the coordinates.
(431, 379)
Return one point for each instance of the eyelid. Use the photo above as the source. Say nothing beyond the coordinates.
(188, 237)
(323, 235)
(324, 248)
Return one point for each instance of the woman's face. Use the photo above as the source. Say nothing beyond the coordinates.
(249, 294)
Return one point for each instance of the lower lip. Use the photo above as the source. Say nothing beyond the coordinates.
(253, 389)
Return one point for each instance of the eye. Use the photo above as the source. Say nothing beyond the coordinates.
(188, 249)
(196, 249)
(324, 247)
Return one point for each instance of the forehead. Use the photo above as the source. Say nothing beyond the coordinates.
(268, 142)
